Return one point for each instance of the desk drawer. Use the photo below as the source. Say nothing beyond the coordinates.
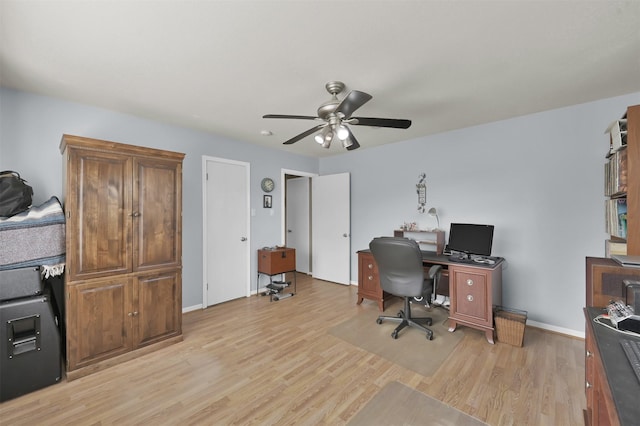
(471, 297)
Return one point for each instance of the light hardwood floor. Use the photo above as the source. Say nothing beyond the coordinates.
(250, 361)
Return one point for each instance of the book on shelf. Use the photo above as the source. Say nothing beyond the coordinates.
(616, 217)
(615, 174)
(614, 248)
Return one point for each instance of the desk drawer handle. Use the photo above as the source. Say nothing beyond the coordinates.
(588, 385)
(370, 266)
(370, 278)
(589, 354)
(469, 281)
(470, 298)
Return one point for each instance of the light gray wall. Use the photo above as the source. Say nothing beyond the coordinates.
(537, 178)
(31, 128)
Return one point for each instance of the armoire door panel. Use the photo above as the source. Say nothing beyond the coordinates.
(98, 320)
(157, 195)
(158, 298)
(101, 200)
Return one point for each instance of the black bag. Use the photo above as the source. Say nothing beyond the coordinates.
(15, 194)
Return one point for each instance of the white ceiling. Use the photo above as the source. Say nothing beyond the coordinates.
(218, 66)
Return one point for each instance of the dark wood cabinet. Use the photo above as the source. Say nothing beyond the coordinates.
(611, 387)
(601, 409)
(124, 251)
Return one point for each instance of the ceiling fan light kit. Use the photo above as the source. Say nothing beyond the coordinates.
(336, 114)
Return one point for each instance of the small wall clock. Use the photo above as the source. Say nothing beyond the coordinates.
(267, 184)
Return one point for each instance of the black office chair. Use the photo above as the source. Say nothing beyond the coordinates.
(429, 297)
(401, 273)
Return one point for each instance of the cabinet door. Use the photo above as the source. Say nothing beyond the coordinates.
(97, 207)
(98, 321)
(157, 213)
(471, 301)
(589, 371)
(158, 300)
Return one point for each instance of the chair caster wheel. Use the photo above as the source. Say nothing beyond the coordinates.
(379, 321)
(394, 334)
(429, 336)
(430, 322)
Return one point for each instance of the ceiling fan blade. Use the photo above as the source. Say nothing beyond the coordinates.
(381, 122)
(297, 117)
(304, 134)
(354, 141)
(354, 100)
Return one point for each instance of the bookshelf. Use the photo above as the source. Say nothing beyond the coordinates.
(622, 185)
(428, 240)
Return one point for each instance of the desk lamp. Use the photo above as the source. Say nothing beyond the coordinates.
(433, 213)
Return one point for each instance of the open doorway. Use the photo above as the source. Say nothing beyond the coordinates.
(327, 249)
(296, 217)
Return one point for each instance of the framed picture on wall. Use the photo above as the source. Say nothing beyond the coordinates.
(266, 201)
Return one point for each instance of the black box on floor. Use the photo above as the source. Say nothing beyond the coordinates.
(22, 282)
(29, 346)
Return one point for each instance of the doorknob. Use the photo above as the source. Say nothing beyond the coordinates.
(243, 239)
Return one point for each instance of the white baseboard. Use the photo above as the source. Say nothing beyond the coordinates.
(191, 308)
(556, 329)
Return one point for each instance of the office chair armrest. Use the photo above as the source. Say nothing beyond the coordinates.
(434, 270)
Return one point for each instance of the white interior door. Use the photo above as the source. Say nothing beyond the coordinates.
(226, 224)
(297, 220)
(331, 242)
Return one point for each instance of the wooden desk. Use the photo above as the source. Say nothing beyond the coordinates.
(276, 261)
(612, 387)
(473, 288)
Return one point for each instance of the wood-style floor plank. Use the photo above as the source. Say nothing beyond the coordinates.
(255, 362)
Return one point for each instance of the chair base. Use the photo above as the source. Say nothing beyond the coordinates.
(406, 320)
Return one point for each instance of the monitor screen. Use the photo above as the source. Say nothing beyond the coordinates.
(471, 239)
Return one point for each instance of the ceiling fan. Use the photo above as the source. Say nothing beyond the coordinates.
(336, 114)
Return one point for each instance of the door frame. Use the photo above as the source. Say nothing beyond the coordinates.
(247, 165)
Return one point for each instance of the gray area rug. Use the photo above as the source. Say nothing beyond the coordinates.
(411, 349)
(397, 404)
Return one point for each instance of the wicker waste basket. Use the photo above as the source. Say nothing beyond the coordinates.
(510, 325)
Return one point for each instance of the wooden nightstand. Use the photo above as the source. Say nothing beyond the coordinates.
(276, 261)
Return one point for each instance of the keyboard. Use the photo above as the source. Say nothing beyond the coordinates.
(632, 351)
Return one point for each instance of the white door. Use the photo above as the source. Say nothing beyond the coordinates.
(226, 227)
(297, 220)
(331, 231)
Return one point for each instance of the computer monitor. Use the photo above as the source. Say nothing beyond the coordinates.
(471, 239)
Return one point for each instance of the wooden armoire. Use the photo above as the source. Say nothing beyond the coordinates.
(123, 277)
